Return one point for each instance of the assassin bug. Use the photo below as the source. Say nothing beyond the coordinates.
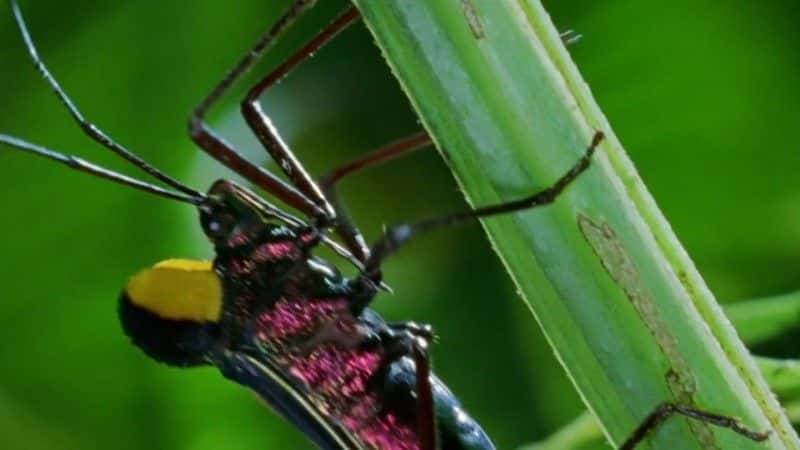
(273, 317)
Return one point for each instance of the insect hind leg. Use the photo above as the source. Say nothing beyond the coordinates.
(412, 340)
(666, 410)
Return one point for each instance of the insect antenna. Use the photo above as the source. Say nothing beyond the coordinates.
(79, 164)
(89, 129)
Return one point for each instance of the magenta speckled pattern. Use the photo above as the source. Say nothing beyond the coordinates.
(242, 267)
(337, 377)
(286, 319)
(340, 379)
(334, 371)
(316, 342)
(273, 251)
(238, 239)
(386, 433)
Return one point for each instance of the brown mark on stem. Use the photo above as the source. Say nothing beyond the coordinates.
(473, 19)
(615, 259)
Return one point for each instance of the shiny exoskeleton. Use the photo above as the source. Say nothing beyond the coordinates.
(287, 310)
(295, 331)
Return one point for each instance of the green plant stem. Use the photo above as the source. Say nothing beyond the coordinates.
(762, 319)
(793, 411)
(619, 300)
(783, 377)
(583, 430)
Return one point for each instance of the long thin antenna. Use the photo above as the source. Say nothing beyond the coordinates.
(88, 128)
(85, 166)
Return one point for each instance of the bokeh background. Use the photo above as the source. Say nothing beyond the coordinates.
(705, 95)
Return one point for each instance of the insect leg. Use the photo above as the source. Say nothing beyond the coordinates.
(411, 339)
(666, 410)
(261, 124)
(420, 330)
(216, 147)
(396, 236)
(396, 149)
(345, 226)
(223, 152)
(269, 137)
(426, 417)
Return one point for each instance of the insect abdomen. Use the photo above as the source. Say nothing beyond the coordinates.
(456, 429)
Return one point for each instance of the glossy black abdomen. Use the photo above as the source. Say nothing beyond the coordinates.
(457, 430)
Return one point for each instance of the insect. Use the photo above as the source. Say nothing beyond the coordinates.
(275, 318)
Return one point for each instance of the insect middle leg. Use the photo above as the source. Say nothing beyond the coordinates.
(322, 194)
(666, 410)
(216, 147)
(307, 197)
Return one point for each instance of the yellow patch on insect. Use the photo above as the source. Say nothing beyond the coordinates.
(178, 289)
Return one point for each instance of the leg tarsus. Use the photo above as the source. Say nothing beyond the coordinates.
(666, 410)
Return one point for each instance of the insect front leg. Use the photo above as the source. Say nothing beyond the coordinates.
(216, 147)
(262, 126)
(269, 137)
(666, 410)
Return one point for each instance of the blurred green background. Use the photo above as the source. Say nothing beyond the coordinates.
(705, 95)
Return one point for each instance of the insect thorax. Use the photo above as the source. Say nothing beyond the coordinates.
(293, 311)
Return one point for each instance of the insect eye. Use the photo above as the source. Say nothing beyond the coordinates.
(217, 224)
(214, 226)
